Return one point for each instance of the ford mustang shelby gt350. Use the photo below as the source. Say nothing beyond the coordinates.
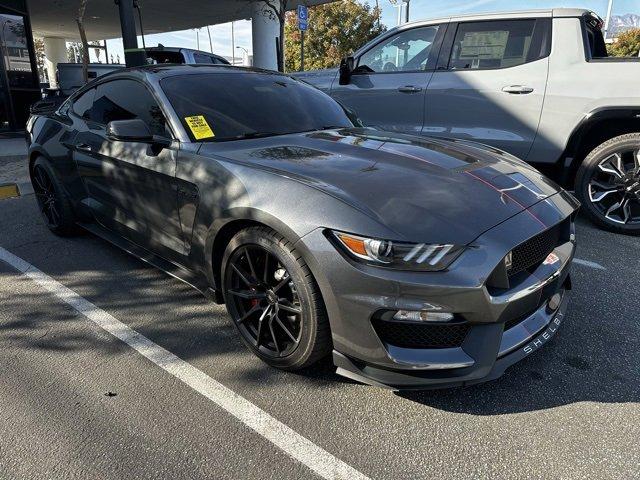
(415, 262)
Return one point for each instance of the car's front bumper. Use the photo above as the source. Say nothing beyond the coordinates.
(485, 361)
(354, 294)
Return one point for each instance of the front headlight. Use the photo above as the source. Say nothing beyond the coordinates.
(398, 255)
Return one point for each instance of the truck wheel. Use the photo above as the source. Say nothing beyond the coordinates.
(608, 184)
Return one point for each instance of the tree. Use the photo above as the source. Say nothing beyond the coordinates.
(74, 51)
(628, 44)
(83, 39)
(38, 46)
(335, 31)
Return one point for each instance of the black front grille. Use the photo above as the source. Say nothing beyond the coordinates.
(418, 335)
(535, 250)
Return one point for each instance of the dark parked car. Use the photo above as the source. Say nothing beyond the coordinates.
(417, 262)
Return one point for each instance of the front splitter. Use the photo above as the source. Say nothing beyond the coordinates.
(434, 379)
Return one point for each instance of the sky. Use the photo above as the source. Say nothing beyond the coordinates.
(420, 9)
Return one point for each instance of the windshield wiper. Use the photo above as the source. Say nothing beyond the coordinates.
(247, 135)
(332, 127)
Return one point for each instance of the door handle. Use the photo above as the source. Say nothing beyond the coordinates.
(517, 89)
(409, 89)
(85, 147)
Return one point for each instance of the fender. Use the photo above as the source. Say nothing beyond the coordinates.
(35, 151)
(578, 134)
(237, 215)
(583, 133)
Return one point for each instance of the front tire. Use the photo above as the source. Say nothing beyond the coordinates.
(52, 199)
(273, 300)
(608, 184)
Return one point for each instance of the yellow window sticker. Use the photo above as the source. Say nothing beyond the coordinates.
(199, 127)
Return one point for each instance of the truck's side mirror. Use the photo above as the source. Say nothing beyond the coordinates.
(346, 69)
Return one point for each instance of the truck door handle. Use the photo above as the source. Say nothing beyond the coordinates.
(85, 147)
(409, 89)
(517, 89)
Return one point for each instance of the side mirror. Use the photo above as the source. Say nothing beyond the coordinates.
(134, 131)
(129, 131)
(346, 69)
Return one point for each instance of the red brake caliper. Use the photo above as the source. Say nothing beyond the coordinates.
(254, 301)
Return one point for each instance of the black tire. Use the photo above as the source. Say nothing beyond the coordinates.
(591, 181)
(310, 326)
(52, 199)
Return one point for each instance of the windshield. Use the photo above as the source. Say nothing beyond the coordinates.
(229, 106)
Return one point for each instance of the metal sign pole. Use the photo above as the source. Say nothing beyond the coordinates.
(233, 46)
(302, 50)
(303, 19)
(210, 42)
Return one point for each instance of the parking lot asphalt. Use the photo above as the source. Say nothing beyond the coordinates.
(76, 402)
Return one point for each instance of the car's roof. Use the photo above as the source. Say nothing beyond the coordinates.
(170, 70)
(178, 49)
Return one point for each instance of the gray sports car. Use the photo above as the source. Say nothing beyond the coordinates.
(416, 262)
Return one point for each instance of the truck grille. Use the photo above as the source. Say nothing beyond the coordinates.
(417, 335)
(535, 250)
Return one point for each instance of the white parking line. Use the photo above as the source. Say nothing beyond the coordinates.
(300, 448)
(588, 263)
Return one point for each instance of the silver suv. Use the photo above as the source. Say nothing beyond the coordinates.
(537, 84)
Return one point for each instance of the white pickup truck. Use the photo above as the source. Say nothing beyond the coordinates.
(537, 84)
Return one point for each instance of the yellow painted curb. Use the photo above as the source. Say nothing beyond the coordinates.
(9, 191)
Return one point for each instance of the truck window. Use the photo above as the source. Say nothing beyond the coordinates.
(499, 44)
(200, 58)
(407, 51)
(160, 56)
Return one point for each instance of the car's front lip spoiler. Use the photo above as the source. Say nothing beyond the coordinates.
(430, 359)
(429, 379)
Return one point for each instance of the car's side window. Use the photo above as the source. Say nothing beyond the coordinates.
(82, 104)
(126, 100)
(493, 44)
(200, 58)
(408, 51)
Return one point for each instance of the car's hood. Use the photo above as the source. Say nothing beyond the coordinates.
(422, 188)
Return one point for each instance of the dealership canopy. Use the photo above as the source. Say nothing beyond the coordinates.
(55, 20)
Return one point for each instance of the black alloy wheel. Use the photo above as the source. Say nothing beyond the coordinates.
(52, 201)
(609, 184)
(273, 300)
(266, 301)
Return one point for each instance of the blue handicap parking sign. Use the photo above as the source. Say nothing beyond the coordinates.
(303, 16)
